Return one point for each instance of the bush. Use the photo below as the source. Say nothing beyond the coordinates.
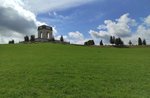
(89, 43)
(119, 42)
(11, 42)
(26, 39)
(32, 38)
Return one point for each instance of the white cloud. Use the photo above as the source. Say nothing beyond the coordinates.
(120, 27)
(76, 37)
(39, 6)
(18, 17)
(16, 21)
(101, 35)
(123, 27)
(73, 38)
(147, 20)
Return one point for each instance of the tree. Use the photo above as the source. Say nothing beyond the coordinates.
(119, 42)
(26, 39)
(32, 39)
(61, 39)
(130, 43)
(101, 43)
(89, 43)
(112, 40)
(144, 42)
(140, 41)
(11, 42)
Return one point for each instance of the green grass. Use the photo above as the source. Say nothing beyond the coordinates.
(67, 71)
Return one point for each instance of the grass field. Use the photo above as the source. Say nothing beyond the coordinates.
(67, 71)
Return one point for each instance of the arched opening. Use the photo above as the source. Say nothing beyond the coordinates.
(47, 35)
(41, 34)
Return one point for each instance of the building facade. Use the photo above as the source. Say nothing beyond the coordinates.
(45, 32)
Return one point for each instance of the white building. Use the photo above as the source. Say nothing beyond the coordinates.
(45, 33)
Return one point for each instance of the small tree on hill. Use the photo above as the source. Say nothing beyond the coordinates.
(61, 39)
(119, 42)
(101, 43)
(112, 40)
(32, 39)
(140, 41)
(130, 43)
(144, 42)
(89, 43)
(11, 42)
(26, 39)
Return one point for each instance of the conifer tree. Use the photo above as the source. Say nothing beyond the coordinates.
(130, 43)
(101, 43)
(140, 41)
(144, 42)
(61, 39)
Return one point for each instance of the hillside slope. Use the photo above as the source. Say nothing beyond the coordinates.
(67, 71)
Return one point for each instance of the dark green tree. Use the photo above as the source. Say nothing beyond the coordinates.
(144, 42)
(101, 43)
(112, 40)
(89, 43)
(26, 39)
(140, 41)
(61, 39)
(119, 42)
(32, 39)
(130, 42)
(11, 42)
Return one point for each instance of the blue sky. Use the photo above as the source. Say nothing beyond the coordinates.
(89, 16)
(76, 18)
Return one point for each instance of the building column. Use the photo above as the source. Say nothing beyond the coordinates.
(50, 35)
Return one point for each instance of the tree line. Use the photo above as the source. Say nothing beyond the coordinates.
(32, 39)
(116, 42)
(113, 41)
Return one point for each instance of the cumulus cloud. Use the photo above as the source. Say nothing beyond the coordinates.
(16, 21)
(73, 37)
(123, 27)
(120, 27)
(18, 17)
(76, 37)
(147, 20)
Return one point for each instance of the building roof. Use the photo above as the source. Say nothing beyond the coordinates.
(45, 27)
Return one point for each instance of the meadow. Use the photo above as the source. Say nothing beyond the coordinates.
(66, 71)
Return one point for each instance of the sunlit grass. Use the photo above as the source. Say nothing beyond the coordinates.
(67, 71)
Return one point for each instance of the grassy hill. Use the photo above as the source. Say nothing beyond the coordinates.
(67, 71)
